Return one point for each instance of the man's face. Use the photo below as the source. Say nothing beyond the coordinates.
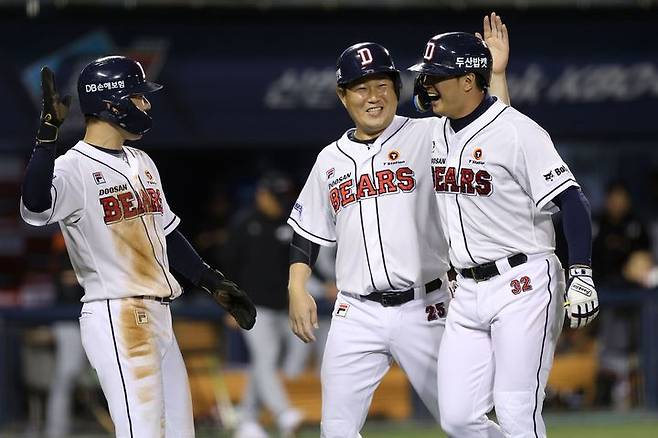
(371, 103)
(449, 93)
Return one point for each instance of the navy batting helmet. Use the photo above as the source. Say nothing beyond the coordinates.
(105, 87)
(365, 59)
(456, 54)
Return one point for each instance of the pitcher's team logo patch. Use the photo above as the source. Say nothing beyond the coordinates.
(99, 178)
(393, 155)
(331, 172)
(342, 310)
(141, 317)
(477, 153)
(148, 175)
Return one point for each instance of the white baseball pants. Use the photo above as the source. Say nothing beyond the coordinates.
(363, 340)
(497, 350)
(131, 344)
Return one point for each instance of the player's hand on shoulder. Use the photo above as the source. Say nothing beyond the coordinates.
(53, 108)
(303, 315)
(581, 301)
(228, 295)
(497, 39)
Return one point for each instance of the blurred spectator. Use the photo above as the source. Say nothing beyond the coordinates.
(213, 233)
(70, 357)
(257, 257)
(621, 259)
(618, 235)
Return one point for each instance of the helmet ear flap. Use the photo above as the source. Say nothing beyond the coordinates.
(421, 99)
(124, 113)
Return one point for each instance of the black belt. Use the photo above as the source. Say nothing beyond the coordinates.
(396, 298)
(488, 270)
(161, 300)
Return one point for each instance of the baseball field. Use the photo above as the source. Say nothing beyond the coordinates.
(563, 425)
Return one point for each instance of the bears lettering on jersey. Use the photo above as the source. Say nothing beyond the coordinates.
(385, 181)
(471, 182)
(126, 205)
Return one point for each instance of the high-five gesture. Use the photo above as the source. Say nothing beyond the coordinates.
(496, 37)
(53, 109)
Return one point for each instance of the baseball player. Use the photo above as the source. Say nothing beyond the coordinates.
(498, 179)
(121, 236)
(370, 193)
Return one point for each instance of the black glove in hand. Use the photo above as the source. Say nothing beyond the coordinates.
(581, 302)
(228, 295)
(53, 109)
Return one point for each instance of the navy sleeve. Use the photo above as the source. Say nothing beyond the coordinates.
(303, 250)
(183, 258)
(38, 178)
(576, 224)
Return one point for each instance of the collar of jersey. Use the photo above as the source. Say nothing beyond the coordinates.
(480, 121)
(461, 123)
(390, 131)
(97, 154)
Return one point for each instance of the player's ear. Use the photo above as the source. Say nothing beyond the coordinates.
(341, 92)
(468, 82)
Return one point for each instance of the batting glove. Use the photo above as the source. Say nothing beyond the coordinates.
(581, 301)
(53, 109)
(228, 295)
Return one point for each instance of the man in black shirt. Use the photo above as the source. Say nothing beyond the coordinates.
(257, 256)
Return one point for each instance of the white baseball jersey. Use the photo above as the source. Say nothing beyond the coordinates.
(377, 202)
(495, 180)
(114, 217)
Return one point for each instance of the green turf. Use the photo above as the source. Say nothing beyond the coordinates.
(649, 430)
(585, 425)
(571, 425)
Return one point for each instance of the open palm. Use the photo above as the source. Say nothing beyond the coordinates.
(496, 37)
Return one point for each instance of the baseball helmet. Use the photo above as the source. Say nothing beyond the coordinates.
(105, 87)
(456, 54)
(365, 59)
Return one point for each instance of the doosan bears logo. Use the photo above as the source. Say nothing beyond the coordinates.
(119, 203)
(385, 182)
(468, 182)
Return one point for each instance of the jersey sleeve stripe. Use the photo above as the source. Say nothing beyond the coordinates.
(170, 222)
(310, 236)
(557, 190)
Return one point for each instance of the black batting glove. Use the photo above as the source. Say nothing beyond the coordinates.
(228, 295)
(53, 109)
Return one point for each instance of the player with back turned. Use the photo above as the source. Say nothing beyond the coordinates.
(121, 237)
(498, 179)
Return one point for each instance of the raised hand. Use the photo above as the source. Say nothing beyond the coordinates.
(53, 109)
(497, 39)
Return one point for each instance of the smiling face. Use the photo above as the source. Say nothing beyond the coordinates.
(453, 97)
(371, 103)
